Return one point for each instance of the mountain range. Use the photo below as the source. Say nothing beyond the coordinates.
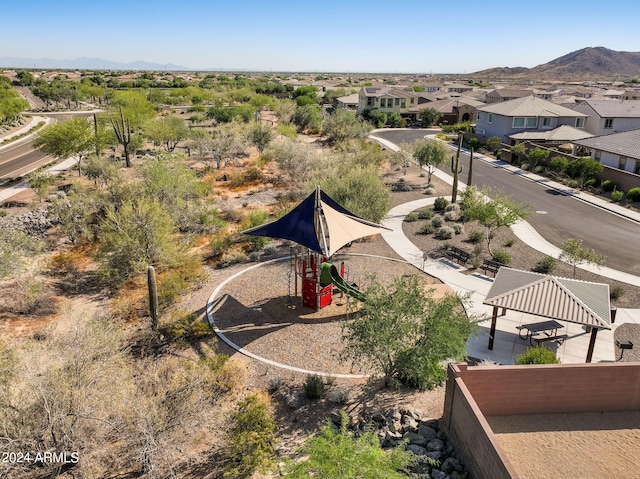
(592, 63)
(85, 63)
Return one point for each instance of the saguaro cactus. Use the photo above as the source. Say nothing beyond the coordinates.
(470, 174)
(456, 169)
(122, 130)
(153, 297)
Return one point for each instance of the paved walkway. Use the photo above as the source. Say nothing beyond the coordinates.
(475, 286)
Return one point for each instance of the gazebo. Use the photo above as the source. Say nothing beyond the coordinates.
(322, 226)
(550, 297)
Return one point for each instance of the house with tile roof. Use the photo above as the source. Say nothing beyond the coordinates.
(609, 116)
(524, 114)
(506, 94)
(388, 100)
(453, 110)
(562, 135)
(617, 150)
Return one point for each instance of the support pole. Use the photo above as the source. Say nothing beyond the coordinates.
(592, 343)
(492, 333)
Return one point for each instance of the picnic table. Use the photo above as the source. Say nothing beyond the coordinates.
(549, 328)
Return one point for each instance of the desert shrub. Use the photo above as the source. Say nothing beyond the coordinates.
(475, 236)
(458, 229)
(425, 214)
(429, 191)
(411, 217)
(590, 182)
(29, 297)
(232, 257)
(510, 242)
(437, 221)
(444, 233)
(476, 255)
(427, 229)
(338, 396)
(616, 292)
(559, 164)
(170, 285)
(502, 257)
(186, 326)
(440, 204)
(634, 194)
(616, 196)
(274, 383)
(451, 215)
(537, 355)
(251, 438)
(313, 387)
(608, 185)
(545, 266)
(287, 130)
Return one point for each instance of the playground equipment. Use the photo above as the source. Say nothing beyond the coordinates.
(322, 226)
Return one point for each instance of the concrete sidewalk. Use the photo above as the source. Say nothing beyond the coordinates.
(34, 120)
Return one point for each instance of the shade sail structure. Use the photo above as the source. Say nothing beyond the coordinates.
(320, 224)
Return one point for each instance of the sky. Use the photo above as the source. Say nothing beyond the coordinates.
(400, 36)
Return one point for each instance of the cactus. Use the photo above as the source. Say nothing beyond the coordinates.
(122, 129)
(470, 174)
(153, 297)
(456, 169)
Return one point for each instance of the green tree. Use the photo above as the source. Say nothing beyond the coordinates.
(493, 144)
(133, 235)
(405, 334)
(73, 137)
(559, 164)
(535, 156)
(41, 182)
(284, 111)
(167, 131)
(429, 117)
(491, 209)
(77, 212)
(295, 159)
(574, 254)
(343, 125)
(359, 189)
(227, 142)
(261, 135)
(377, 118)
(517, 153)
(11, 103)
(430, 154)
(307, 117)
(340, 455)
(584, 168)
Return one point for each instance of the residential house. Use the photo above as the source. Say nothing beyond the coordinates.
(562, 135)
(457, 88)
(524, 114)
(633, 94)
(453, 110)
(506, 94)
(387, 99)
(617, 150)
(350, 102)
(610, 116)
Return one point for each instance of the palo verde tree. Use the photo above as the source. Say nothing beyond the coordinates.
(343, 125)
(584, 168)
(73, 137)
(574, 254)
(260, 135)
(491, 209)
(429, 117)
(405, 334)
(430, 154)
(167, 132)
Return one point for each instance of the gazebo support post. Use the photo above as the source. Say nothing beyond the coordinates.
(492, 333)
(592, 343)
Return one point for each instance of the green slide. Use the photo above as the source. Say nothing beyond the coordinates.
(329, 274)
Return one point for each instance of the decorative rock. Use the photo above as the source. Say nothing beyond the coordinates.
(435, 445)
(451, 464)
(437, 474)
(434, 455)
(417, 450)
(379, 418)
(410, 423)
(414, 438)
(427, 432)
(396, 416)
(395, 426)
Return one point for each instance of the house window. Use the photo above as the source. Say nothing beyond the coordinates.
(531, 122)
(383, 102)
(397, 101)
(403, 103)
(370, 101)
(546, 122)
(579, 122)
(622, 163)
(518, 122)
(608, 123)
(597, 155)
(636, 170)
(490, 118)
(412, 100)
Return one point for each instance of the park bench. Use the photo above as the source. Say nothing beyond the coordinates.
(490, 266)
(557, 339)
(458, 255)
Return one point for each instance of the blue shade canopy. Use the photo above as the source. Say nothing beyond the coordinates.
(320, 224)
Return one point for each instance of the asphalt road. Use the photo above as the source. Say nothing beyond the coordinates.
(20, 158)
(555, 216)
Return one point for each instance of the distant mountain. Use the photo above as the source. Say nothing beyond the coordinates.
(84, 63)
(593, 63)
